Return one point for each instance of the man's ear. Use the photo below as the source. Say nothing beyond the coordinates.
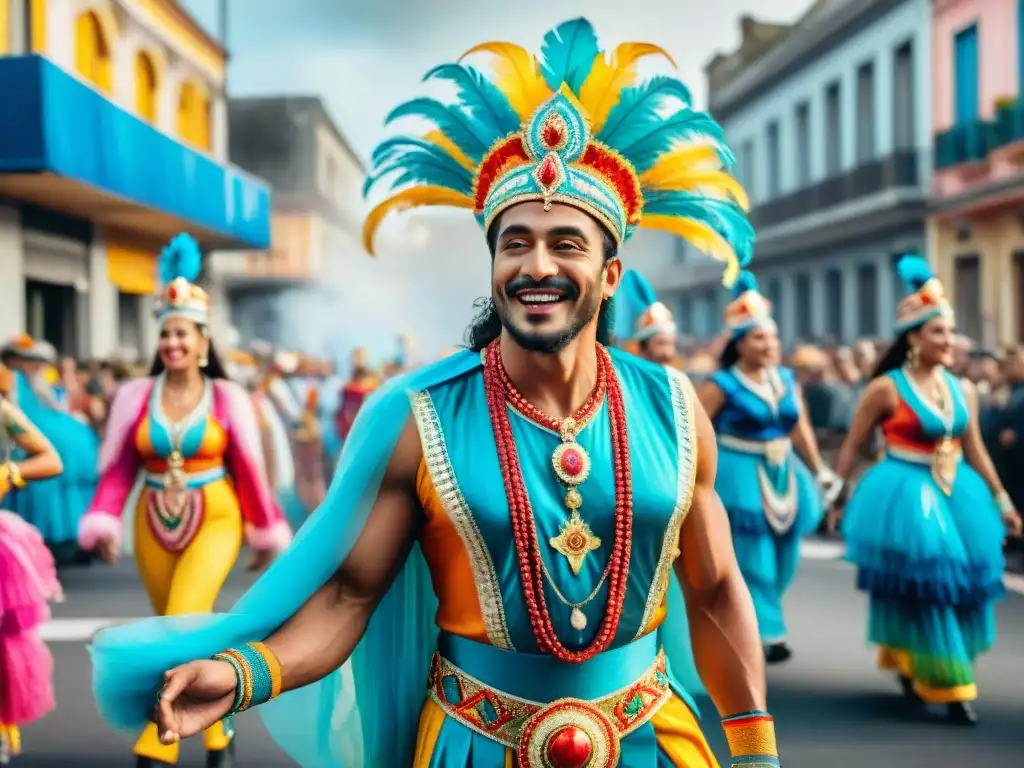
(612, 278)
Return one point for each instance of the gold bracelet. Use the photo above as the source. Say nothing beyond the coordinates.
(14, 474)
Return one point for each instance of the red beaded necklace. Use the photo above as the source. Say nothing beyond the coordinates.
(500, 392)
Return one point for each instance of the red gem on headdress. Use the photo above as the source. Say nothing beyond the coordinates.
(172, 293)
(547, 173)
(553, 132)
(569, 747)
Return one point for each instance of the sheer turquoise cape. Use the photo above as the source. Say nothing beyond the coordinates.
(364, 714)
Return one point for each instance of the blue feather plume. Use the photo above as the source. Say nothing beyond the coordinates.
(645, 143)
(461, 128)
(723, 216)
(745, 282)
(181, 258)
(914, 272)
(481, 98)
(632, 298)
(637, 110)
(419, 162)
(568, 54)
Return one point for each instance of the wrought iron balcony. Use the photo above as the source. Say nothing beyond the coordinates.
(964, 144)
(899, 169)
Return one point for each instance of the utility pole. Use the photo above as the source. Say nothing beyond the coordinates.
(222, 31)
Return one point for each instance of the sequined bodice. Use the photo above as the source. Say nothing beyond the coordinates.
(746, 414)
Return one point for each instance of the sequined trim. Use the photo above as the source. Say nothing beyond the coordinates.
(686, 442)
(439, 465)
(505, 718)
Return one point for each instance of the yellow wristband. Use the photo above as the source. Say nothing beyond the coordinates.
(752, 735)
(14, 475)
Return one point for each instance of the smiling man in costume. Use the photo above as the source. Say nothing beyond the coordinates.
(509, 473)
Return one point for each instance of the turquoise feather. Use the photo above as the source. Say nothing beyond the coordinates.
(913, 271)
(745, 282)
(181, 258)
(644, 145)
(422, 163)
(638, 107)
(568, 54)
(481, 98)
(388, 148)
(461, 128)
(723, 216)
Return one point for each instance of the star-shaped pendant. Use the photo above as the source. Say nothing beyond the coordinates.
(575, 541)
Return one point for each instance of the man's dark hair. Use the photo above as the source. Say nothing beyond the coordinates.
(486, 325)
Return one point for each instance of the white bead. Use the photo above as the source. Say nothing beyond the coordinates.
(578, 619)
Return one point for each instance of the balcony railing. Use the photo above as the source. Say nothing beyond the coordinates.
(899, 169)
(964, 144)
(1008, 126)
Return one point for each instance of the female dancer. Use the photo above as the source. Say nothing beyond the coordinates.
(28, 579)
(772, 499)
(194, 436)
(925, 525)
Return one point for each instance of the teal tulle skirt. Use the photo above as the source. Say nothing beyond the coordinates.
(767, 559)
(932, 565)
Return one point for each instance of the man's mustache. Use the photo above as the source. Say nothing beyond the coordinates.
(555, 284)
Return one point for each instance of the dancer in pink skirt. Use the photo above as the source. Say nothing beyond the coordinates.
(28, 580)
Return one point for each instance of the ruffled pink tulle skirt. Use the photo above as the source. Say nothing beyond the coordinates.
(28, 581)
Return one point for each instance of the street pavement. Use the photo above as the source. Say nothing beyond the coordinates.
(832, 708)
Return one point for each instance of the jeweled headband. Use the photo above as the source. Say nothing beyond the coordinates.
(572, 127)
(749, 309)
(180, 264)
(926, 299)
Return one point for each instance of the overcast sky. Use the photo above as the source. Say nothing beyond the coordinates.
(365, 57)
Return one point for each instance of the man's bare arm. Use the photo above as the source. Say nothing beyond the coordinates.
(322, 635)
(723, 626)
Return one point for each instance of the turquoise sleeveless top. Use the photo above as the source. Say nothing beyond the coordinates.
(454, 421)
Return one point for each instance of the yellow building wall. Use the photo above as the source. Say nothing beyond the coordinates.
(994, 240)
(38, 22)
(132, 264)
(194, 42)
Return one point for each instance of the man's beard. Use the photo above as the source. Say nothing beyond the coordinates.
(552, 342)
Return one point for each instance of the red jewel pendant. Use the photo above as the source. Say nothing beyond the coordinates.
(570, 747)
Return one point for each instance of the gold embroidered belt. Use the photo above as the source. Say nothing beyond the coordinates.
(565, 732)
(780, 507)
(943, 461)
(775, 452)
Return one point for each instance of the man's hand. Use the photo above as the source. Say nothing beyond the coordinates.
(194, 697)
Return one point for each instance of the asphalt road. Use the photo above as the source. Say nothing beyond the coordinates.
(832, 708)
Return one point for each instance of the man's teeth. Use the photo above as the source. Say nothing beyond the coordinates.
(539, 298)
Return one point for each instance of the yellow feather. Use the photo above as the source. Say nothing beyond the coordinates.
(688, 156)
(411, 198)
(518, 76)
(603, 87)
(713, 183)
(440, 139)
(701, 236)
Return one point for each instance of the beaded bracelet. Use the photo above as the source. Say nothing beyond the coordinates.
(258, 673)
(1004, 502)
(14, 475)
(751, 737)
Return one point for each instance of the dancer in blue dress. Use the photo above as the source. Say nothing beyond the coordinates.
(925, 525)
(643, 325)
(773, 500)
(54, 505)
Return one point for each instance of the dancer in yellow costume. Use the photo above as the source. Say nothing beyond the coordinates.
(508, 528)
(193, 437)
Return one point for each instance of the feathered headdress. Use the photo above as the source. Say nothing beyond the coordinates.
(180, 264)
(926, 298)
(638, 313)
(748, 309)
(571, 127)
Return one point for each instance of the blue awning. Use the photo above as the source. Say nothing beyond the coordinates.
(65, 145)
